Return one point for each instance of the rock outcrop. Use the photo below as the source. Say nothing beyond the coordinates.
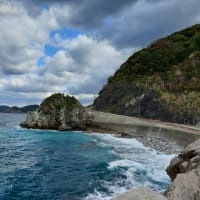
(58, 112)
(184, 170)
(186, 161)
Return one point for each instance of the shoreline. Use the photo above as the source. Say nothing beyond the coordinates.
(158, 144)
(161, 136)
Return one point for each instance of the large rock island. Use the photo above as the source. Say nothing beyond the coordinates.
(59, 112)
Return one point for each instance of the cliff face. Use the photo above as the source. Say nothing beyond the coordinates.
(58, 112)
(161, 81)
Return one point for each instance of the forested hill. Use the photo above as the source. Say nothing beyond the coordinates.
(161, 81)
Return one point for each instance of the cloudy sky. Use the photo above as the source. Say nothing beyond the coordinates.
(73, 46)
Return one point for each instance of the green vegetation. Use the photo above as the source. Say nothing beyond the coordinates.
(58, 101)
(161, 55)
(168, 70)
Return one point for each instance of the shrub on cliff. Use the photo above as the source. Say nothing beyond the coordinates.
(58, 101)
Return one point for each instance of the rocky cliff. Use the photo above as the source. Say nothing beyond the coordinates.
(161, 81)
(58, 112)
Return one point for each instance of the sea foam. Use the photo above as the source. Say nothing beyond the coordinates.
(137, 165)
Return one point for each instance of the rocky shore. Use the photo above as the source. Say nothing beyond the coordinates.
(184, 170)
(160, 145)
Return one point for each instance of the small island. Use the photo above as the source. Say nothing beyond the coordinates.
(59, 112)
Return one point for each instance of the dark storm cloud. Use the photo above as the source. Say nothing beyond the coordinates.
(145, 22)
(86, 13)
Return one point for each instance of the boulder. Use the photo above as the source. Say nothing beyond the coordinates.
(186, 186)
(186, 161)
(184, 170)
(140, 194)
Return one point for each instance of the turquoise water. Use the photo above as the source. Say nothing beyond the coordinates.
(52, 165)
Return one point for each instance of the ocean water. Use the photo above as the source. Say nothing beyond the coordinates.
(52, 165)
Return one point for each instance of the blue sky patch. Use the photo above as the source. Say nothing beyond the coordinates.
(41, 62)
(45, 6)
(51, 50)
(66, 33)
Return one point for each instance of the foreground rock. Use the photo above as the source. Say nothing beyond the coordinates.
(185, 171)
(58, 112)
(141, 194)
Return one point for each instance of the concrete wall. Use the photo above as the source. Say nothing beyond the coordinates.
(181, 134)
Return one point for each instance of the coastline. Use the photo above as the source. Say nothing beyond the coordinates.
(158, 144)
(163, 137)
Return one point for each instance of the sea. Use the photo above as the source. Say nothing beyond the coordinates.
(73, 165)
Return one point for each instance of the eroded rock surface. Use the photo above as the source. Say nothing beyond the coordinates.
(186, 161)
(59, 112)
(184, 170)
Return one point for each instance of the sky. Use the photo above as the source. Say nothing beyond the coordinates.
(73, 46)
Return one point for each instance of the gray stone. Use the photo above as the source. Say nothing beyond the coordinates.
(185, 171)
(183, 166)
(140, 194)
(185, 187)
(64, 120)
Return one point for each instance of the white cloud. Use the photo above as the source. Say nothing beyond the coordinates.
(22, 37)
(80, 68)
(88, 60)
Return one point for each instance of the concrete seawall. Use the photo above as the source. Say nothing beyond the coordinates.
(180, 134)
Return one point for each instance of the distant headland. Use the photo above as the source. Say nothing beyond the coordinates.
(15, 109)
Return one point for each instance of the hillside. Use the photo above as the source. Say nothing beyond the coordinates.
(15, 109)
(160, 82)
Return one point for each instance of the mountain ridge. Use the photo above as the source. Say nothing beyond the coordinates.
(16, 109)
